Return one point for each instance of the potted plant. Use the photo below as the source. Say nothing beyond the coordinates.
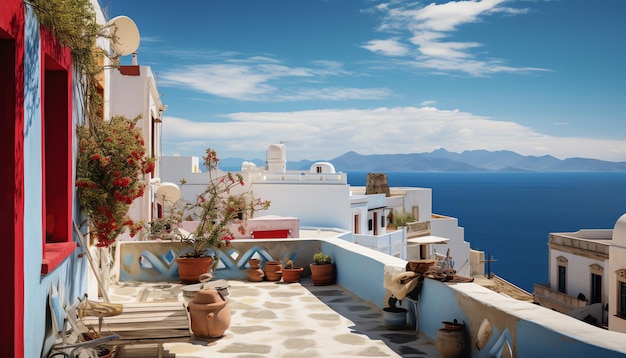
(398, 220)
(290, 272)
(322, 269)
(394, 318)
(216, 209)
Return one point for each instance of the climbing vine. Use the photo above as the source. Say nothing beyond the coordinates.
(73, 23)
(112, 162)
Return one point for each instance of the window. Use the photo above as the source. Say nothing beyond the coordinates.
(621, 293)
(621, 309)
(415, 212)
(375, 224)
(57, 130)
(318, 169)
(369, 224)
(561, 263)
(562, 278)
(595, 288)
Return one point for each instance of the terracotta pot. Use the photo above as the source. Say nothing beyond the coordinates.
(190, 268)
(452, 344)
(453, 326)
(272, 270)
(210, 314)
(322, 274)
(255, 274)
(292, 274)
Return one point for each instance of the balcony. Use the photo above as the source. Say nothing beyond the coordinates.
(345, 319)
(416, 229)
(556, 300)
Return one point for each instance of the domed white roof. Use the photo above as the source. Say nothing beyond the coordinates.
(619, 232)
(322, 167)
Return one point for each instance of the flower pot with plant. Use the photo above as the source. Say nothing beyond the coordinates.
(394, 318)
(322, 269)
(290, 272)
(216, 209)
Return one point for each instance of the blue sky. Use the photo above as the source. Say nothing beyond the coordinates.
(326, 77)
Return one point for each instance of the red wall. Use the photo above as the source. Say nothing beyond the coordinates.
(12, 173)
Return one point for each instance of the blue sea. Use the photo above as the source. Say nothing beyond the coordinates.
(510, 215)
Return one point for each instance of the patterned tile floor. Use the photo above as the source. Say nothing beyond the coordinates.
(286, 320)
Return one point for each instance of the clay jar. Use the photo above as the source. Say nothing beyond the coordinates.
(255, 274)
(210, 314)
(271, 268)
(452, 340)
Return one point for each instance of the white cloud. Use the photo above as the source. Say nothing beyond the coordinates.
(327, 133)
(429, 29)
(265, 79)
(390, 47)
(232, 80)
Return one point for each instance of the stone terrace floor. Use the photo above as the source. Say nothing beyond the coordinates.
(273, 319)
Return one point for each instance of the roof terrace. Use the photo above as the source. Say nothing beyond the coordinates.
(346, 319)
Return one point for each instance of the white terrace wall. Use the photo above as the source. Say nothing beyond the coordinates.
(529, 330)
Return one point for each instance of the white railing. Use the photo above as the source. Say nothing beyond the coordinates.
(301, 177)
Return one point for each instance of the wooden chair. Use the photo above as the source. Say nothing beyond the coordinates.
(75, 342)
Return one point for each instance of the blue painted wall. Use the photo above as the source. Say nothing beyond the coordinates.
(362, 272)
(71, 275)
(530, 330)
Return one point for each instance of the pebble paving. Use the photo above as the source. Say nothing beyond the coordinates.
(274, 319)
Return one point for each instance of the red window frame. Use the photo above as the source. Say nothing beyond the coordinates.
(57, 158)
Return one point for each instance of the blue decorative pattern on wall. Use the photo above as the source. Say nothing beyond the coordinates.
(152, 261)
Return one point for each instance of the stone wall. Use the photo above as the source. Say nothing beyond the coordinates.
(377, 184)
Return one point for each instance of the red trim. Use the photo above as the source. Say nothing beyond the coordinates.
(56, 122)
(12, 178)
(55, 254)
(270, 234)
(130, 70)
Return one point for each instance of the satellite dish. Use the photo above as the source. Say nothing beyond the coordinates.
(167, 193)
(126, 35)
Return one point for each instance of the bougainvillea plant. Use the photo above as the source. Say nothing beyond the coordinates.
(110, 175)
(217, 209)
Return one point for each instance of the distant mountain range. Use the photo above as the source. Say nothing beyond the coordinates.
(442, 160)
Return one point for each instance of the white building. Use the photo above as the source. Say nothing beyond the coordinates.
(136, 94)
(321, 198)
(587, 276)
